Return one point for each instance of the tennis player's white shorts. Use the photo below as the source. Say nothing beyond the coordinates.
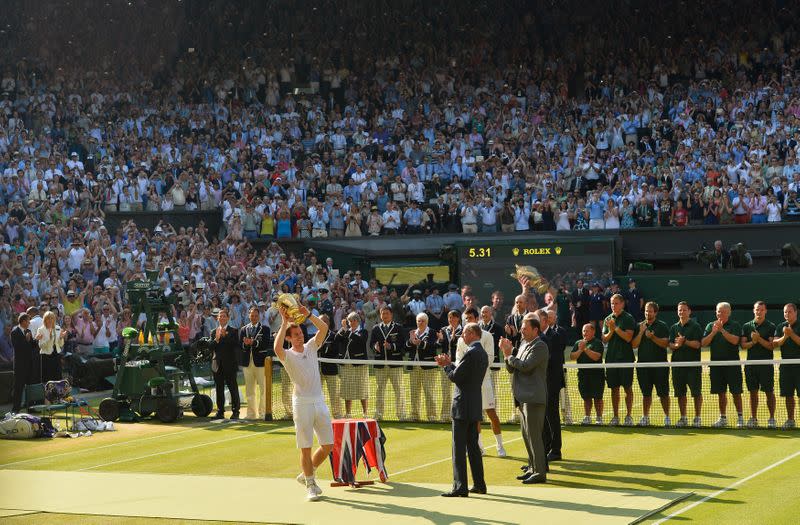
(487, 392)
(311, 416)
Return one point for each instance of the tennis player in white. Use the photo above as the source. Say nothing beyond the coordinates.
(311, 415)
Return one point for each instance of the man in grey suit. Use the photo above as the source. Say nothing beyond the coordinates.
(467, 410)
(528, 371)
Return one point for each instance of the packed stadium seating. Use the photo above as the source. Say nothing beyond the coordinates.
(345, 119)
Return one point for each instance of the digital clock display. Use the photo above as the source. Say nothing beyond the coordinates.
(479, 252)
(491, 268)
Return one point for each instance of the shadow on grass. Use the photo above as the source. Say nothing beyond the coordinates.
(570, 465)
(205, 423)
(428, 512)
(592, 480)
(661, 431)
(570, 506)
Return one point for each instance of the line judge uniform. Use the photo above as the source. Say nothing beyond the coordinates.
(423, 378)
(330, 373)
(394, 335)
(355, 378)
(448, 346)
(252, 360)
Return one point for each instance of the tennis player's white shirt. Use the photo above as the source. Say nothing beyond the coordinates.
(487, 342)
(311, 414)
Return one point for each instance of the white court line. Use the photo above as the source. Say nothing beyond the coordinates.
(729, 487)
(449, 458)
(254, 434)
(166, 434)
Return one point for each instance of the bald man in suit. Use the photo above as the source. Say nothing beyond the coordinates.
(528, 371)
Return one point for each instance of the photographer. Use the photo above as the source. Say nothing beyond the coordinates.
(720, 258)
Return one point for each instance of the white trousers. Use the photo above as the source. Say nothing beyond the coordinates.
(254, 375)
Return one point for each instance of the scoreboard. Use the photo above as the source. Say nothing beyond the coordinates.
(488, 266)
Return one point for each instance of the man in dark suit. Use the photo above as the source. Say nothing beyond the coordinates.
(255, 347)
(528, 371)
(225, 364)
(580, 303)
(556, 338)
(27, 370)
(466, 412)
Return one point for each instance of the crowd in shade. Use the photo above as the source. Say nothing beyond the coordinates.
(301, 120)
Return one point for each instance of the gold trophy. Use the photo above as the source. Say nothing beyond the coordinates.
(536, 281)
(292, 305)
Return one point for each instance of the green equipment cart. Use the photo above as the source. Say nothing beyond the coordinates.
(154, 370)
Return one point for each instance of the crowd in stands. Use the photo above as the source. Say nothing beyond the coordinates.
(346, 119)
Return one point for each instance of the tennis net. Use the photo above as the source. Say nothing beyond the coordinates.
(420, 391)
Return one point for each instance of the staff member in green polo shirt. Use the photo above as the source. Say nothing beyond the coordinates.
(589, 350)
(684, 341)
(787, 336)
(757, 336)
(618, 331)
(652, 341)
(722, 336)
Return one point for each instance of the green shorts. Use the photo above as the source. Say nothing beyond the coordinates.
(726, 378)
(590, 384)
(616, 377)
(760, 377)
(687, 376)
(790, 380)
(653, 377)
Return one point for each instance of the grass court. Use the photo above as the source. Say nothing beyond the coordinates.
(742, 470)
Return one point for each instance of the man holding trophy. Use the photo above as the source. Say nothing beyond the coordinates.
(310, 412)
